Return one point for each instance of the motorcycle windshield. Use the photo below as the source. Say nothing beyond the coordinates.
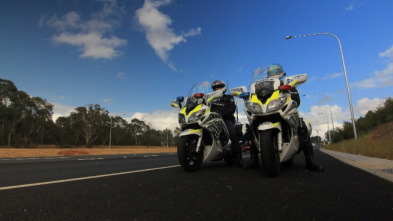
(262, 83)
(264, 88)
(258, 74)
(192, 102)
(200, 87)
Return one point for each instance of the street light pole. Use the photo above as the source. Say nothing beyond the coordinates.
(345, 73)
(110, 133)
(327, 121)
(331, 116)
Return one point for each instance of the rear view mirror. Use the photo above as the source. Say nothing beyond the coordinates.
(175, 104)
(237, 91)
(180, 98)
(244, 95)
(295, 80)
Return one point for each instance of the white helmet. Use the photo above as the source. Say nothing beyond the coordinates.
(218, 85)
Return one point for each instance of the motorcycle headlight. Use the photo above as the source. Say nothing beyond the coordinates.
(254, 107)
(196, 116)
(275, 104)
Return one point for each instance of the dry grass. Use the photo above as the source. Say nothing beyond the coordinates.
(50, 150)
(377, 143)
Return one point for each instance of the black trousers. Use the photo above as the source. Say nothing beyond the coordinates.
(235, 146)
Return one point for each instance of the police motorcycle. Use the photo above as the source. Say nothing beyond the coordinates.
(204, 136)
(273, 117)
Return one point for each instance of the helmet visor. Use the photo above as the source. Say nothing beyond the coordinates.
(219, 86)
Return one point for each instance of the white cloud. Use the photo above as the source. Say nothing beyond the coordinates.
(107, 100)
(320, 117)
(93, 45)
(121, 76)
(158, 33)
(160, 119)
(93, 37)
(365, 104)
(366, 83)
(60, 110)
(385, 77)
(381, 78)
(350, 7)
(163, 119)
(332, 76)
(388, 53)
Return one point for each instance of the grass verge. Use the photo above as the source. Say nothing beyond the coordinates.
(377, 143)
(51, 150)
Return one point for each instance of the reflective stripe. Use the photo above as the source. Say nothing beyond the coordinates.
(274, 96)
(197, 108)
(293, 82)
(183, 111)
(254, 99)
(195, 131)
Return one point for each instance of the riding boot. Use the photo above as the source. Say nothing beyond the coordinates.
(309, 155)
(237, 158)
(308, 151)
(253, 162)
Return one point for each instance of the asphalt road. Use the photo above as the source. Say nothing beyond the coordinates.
(216, 192)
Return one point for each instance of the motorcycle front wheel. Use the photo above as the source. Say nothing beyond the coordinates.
(188, 158)
(269, 152)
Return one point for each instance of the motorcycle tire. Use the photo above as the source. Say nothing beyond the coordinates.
(189, 159)
(269, 152)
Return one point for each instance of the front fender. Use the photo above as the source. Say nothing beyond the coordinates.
(273, 126)
(269, 126)
(197, 132)
(187, 132)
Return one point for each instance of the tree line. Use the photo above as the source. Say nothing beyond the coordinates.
(27, 121)
(364, 124)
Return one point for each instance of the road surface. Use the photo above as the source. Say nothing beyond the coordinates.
(154, 187)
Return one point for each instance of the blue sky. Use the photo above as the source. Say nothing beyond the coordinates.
(133, 57)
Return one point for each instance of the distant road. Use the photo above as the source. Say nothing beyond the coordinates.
(154, 187)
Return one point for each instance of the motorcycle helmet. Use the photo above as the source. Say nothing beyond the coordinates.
(218, 85)
(275, 71)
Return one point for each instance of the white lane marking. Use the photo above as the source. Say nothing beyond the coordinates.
(151, 155)
(91, 159)
(83, 178)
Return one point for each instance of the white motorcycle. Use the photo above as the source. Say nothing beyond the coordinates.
(204, 136)
(273, 117)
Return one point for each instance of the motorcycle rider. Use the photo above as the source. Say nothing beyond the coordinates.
(226, 107)
(277, 71)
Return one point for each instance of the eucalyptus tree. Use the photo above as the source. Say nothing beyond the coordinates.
(119, 130)
(7, 89)
(92, 119)
(137, 129)
(38, 112)
(15, 111)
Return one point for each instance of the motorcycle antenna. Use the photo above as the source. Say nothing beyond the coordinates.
(237, 113)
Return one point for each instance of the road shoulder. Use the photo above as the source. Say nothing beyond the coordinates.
(379, 167)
